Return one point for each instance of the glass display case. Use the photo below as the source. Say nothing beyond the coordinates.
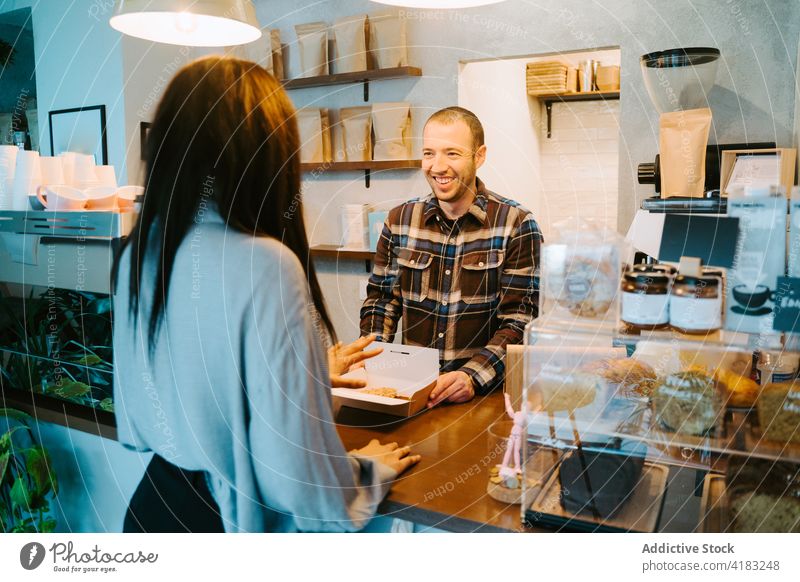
(56, 354)
(658, 432)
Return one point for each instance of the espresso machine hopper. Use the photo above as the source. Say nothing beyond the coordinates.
(676, 80)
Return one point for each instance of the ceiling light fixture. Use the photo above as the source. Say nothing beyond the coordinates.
(207, 23)
(437, 4)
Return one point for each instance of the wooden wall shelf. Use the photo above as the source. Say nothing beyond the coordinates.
(338, 254)
(548, 101)
(357, 77)
(62, 412)
(367, 167)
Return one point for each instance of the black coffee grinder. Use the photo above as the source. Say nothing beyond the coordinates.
(679, 79)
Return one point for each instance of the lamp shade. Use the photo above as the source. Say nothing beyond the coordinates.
(437, 4)
(201, 23)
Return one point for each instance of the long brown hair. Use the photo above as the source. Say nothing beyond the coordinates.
(228, 119)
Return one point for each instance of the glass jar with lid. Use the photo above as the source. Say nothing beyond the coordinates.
(645, 300)
(660, 268)
(695, 304)
(777, 367)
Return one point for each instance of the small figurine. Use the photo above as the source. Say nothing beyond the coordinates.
(509, 473)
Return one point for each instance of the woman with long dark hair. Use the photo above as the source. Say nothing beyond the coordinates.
(218, 322)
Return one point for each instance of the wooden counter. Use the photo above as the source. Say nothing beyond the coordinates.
(447, 489)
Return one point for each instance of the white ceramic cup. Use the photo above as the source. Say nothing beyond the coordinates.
(101, 198)
(27, 178)
(61, 197)
(68, 166)
(106, 176)
(127, 196)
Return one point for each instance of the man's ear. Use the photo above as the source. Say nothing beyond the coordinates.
(480, 156)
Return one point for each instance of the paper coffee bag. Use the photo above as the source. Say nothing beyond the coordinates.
(391, 125)
(355, 124)
(683, 137)
(312, 39)
(387, 41)
(315, 142)
(277, 53)
(350, 35)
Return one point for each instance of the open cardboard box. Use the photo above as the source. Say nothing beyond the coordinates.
(410, 370)
(788, 158)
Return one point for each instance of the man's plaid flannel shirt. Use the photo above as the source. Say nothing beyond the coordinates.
(466, 287)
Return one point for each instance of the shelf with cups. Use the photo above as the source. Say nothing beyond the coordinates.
(356, 77)
(343, 254)
(367, 166)
(549, 99)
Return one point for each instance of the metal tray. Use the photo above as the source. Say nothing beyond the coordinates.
(713, 515)
(83, 224)
(639, 514)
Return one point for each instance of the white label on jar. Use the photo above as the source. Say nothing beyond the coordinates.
(779, 377)
(695, 312)
(642, 309)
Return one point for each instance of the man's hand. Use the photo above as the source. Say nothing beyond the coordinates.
(342, 358)
(452, 387)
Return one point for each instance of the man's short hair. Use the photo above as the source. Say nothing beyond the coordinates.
(450, 115)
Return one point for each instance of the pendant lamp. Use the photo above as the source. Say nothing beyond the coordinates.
(200, 23)
(437, 4)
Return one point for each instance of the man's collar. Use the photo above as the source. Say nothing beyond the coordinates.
(476, 209)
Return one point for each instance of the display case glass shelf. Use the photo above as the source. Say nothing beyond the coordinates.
(615, 424)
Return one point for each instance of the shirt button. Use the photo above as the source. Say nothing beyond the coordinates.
(441, 335)
(447, 272)
(479, 264)
(412, 261)
(444, 303)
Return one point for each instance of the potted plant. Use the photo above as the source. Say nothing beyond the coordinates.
(27, 481)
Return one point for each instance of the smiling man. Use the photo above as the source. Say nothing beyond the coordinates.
(457, 265)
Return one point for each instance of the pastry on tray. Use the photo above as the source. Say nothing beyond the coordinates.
(635, 378)
(779, 412)
(386, 392)
(568, 392)
(764, 495)
(588, 287)
(688, 402)
(737, 390)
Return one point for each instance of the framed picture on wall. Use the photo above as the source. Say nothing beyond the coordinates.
(80, 129)
(144, 129)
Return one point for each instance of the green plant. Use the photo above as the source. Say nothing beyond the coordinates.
(59, 344)
(27, 481)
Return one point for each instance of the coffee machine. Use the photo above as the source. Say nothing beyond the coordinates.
(679, 79)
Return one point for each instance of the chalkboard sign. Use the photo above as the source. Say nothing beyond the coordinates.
(787, 305)
(710, 238)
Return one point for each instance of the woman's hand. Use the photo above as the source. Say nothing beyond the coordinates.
(398, 458)
(342, 358)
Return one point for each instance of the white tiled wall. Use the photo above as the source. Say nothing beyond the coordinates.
(579, 163)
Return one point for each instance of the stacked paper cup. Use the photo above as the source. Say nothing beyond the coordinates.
(84, 175)
(106, 176)
(8, 163)
(355, 233)
(27, 178)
